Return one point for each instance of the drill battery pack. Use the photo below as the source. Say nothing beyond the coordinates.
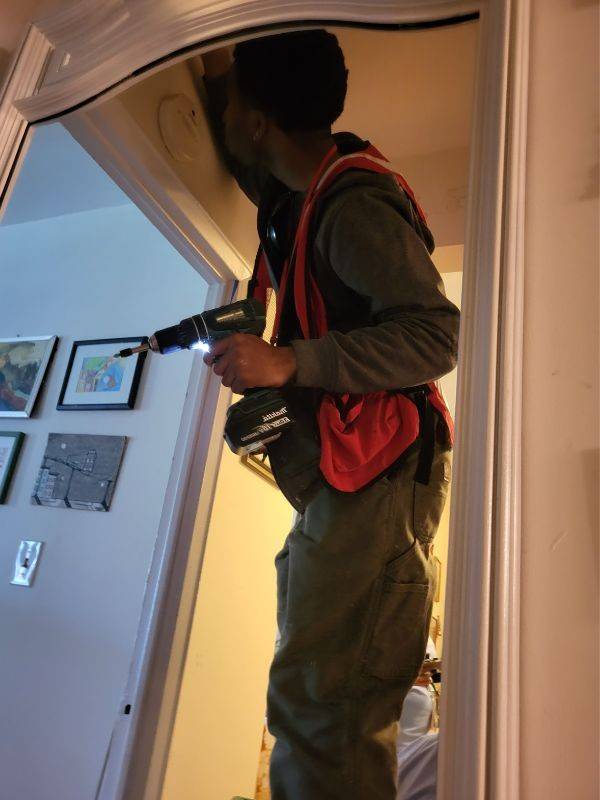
(259, 418)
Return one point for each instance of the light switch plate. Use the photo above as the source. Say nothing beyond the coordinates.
(26, 562)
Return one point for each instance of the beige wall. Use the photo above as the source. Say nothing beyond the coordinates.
(560, 440)
(449, 261)
(217, 736)
(414, 102)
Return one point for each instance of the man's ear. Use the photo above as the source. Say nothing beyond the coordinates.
(260, 125)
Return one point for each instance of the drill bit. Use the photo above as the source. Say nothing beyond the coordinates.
(129, 351)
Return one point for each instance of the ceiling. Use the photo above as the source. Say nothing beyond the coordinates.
(58, 177)
(410, 92)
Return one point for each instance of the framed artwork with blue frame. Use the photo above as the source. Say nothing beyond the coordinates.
(98, 380)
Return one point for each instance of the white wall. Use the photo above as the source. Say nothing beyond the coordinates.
(559, 601)
(67, 641)
(67, 182)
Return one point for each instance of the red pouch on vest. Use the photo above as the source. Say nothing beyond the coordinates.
(363, 435)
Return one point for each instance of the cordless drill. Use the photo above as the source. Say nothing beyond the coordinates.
(262, 415)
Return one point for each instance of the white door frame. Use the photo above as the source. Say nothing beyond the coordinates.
(73, 57)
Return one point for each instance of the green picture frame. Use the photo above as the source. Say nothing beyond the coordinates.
(10, 447)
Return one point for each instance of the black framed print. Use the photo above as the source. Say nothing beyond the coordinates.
(23, 364)
(10, 445)
(97, 380)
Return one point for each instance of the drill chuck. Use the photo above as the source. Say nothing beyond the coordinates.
(245, 316)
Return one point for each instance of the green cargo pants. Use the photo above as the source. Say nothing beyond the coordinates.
(355, 584)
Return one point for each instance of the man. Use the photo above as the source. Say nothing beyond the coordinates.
(363, 329)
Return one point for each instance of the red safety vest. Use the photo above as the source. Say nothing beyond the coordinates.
(362, 435)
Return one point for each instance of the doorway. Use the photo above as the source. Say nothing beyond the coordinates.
(220, 746)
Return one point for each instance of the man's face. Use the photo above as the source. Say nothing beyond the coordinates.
(241, 124)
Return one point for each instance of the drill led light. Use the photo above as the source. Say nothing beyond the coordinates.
(200, 345)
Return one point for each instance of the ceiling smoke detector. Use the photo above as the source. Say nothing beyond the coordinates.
(179, 122)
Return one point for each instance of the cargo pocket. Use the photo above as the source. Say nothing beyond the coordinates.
(429, 501)
(428, 506)
(399, 634)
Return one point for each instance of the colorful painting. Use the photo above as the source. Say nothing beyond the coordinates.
(96, 379)
(23, 364)
(100, 374)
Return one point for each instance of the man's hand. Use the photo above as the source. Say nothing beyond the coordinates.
(245, 362)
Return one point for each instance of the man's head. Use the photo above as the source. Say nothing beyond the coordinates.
(290, 84)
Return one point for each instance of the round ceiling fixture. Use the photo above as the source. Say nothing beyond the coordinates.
(179, 123)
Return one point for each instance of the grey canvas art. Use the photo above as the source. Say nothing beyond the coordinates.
(79, 471)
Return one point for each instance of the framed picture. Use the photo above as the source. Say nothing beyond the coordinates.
(79, 471)
(259, 463)
(97, 380)
(10, 445)
(23, 365)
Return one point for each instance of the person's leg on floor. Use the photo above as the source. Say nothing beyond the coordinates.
(355, 584)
